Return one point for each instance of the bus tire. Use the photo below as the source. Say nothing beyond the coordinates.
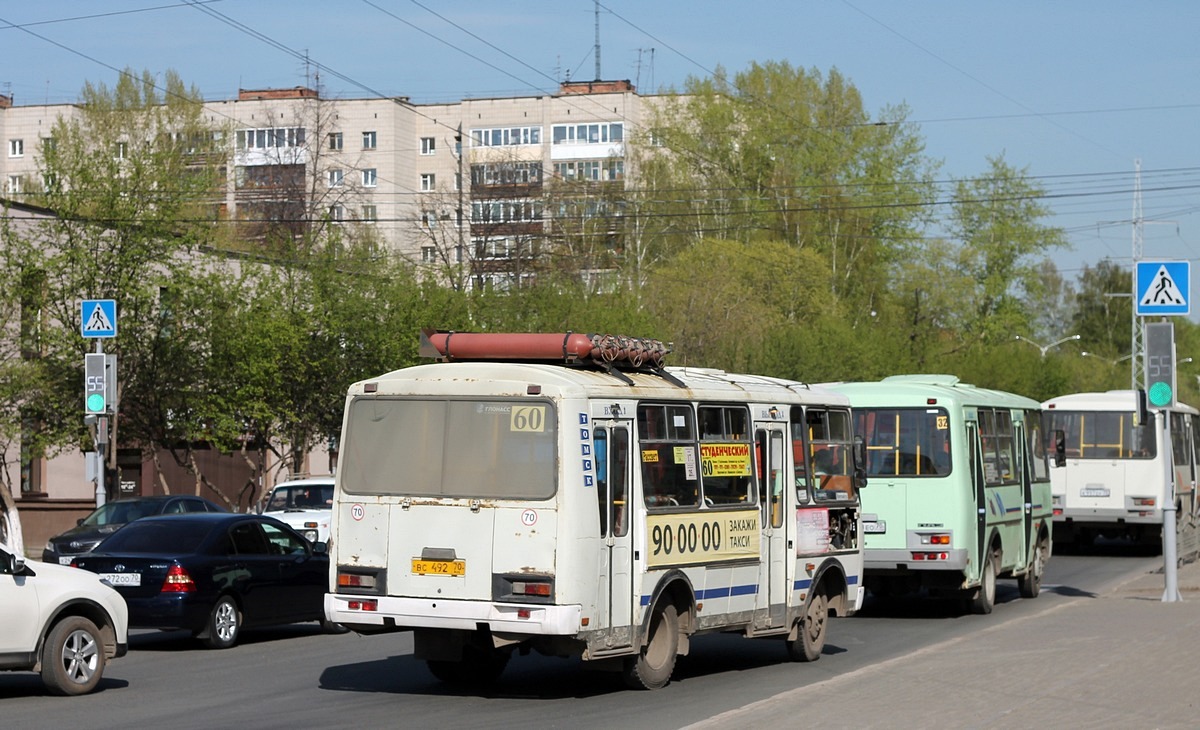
(985, 595)
(1031, 582)
(651, 668)
(810, 634)
(477, 667)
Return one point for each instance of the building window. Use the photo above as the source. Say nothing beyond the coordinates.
(337, 212)
(267, 138)
(428, 145)
(601, 133)
(598, 170)
(506, 211)
(506, 173)
(458, 181)
(428, 182)
(335, 178)
(16, 148)
(122, 150)
(13, 185)
(369, 178)
(370, 140)
(506, 136)
(429, 219)
(370, 214)
(428, 254)
(335, 140)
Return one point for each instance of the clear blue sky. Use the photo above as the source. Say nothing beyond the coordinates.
(1072, 91)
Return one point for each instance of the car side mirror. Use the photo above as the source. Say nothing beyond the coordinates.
(79, 522)
(320, 548)
(860, 478)
(1060, 448)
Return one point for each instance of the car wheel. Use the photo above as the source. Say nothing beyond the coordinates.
(224, 624)
(72, 657)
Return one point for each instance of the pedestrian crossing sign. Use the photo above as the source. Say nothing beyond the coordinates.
(98, 318)
(1162, 287)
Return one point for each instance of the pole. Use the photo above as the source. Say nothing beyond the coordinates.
(101, 441)
(1170, 561)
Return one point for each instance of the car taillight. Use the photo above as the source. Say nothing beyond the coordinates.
(354, 580)
(178, 581)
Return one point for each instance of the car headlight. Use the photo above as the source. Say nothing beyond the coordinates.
(310, 535)
(50, 545)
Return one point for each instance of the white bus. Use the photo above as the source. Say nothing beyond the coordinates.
(568, 494)
(1113, 482)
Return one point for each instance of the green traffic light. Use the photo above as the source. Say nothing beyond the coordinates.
(95, 403)
(1159, 394)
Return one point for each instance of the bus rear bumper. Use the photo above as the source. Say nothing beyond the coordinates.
(904, 561)
(396, 613)
(1107, 517)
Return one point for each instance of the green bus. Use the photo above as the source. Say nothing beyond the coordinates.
(958, 488)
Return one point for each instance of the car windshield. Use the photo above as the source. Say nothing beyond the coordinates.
(173, 536)
(301, 496)
(118, 513)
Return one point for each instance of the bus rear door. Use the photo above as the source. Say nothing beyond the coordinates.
(611, 440)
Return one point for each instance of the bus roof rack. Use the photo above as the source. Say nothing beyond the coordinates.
(612, 353)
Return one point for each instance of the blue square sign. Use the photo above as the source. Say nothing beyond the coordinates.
(1162, 287)
(98, 318)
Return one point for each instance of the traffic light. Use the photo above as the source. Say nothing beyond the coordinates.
(95, 384)
(1160, 363)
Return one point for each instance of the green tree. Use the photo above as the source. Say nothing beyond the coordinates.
(1000, 243)
(781, 154)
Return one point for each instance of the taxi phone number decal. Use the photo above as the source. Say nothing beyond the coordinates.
(702, 538)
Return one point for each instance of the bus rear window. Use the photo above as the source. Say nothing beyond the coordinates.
(450, 448)
(906, 442)
(1101, 434)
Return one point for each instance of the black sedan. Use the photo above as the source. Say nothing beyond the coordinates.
(108, 518)
(213, 574)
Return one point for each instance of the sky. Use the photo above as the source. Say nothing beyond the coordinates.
(1073, 93)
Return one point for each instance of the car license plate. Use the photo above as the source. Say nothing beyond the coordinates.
(439, 567)
(875, 528)
(64, 559)
(1094, 492)
(122, 579)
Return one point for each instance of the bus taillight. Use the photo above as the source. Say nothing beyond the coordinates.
(355, 580)
(526, 588)
(935, 539)
(930, 556)
(1143, 501)
(369, 604)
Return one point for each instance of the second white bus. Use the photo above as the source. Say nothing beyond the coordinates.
(569, 495)
(1114, 480)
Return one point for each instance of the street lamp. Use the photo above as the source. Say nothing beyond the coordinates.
(1114, 363)
(1046, 348)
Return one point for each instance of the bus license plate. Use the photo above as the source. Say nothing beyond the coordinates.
(122, 579)
(1094, 492)
(875, 528)
(439, 567)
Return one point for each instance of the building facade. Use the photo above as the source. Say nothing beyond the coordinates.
(469, 192)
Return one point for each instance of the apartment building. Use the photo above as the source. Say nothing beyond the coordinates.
(464, 186)
(456, 185)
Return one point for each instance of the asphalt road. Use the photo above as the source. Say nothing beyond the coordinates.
(295, 676)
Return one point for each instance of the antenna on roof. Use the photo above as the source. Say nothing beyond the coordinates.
(598, 76)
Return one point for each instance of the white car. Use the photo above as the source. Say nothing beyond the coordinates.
(60, 621)
(305, 505)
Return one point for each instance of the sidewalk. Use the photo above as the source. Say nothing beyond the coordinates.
(1121, 659)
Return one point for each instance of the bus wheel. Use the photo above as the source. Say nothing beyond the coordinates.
(652, 667)
(985, 595)
(477, 667)
(1031, 582)
(810, 639)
